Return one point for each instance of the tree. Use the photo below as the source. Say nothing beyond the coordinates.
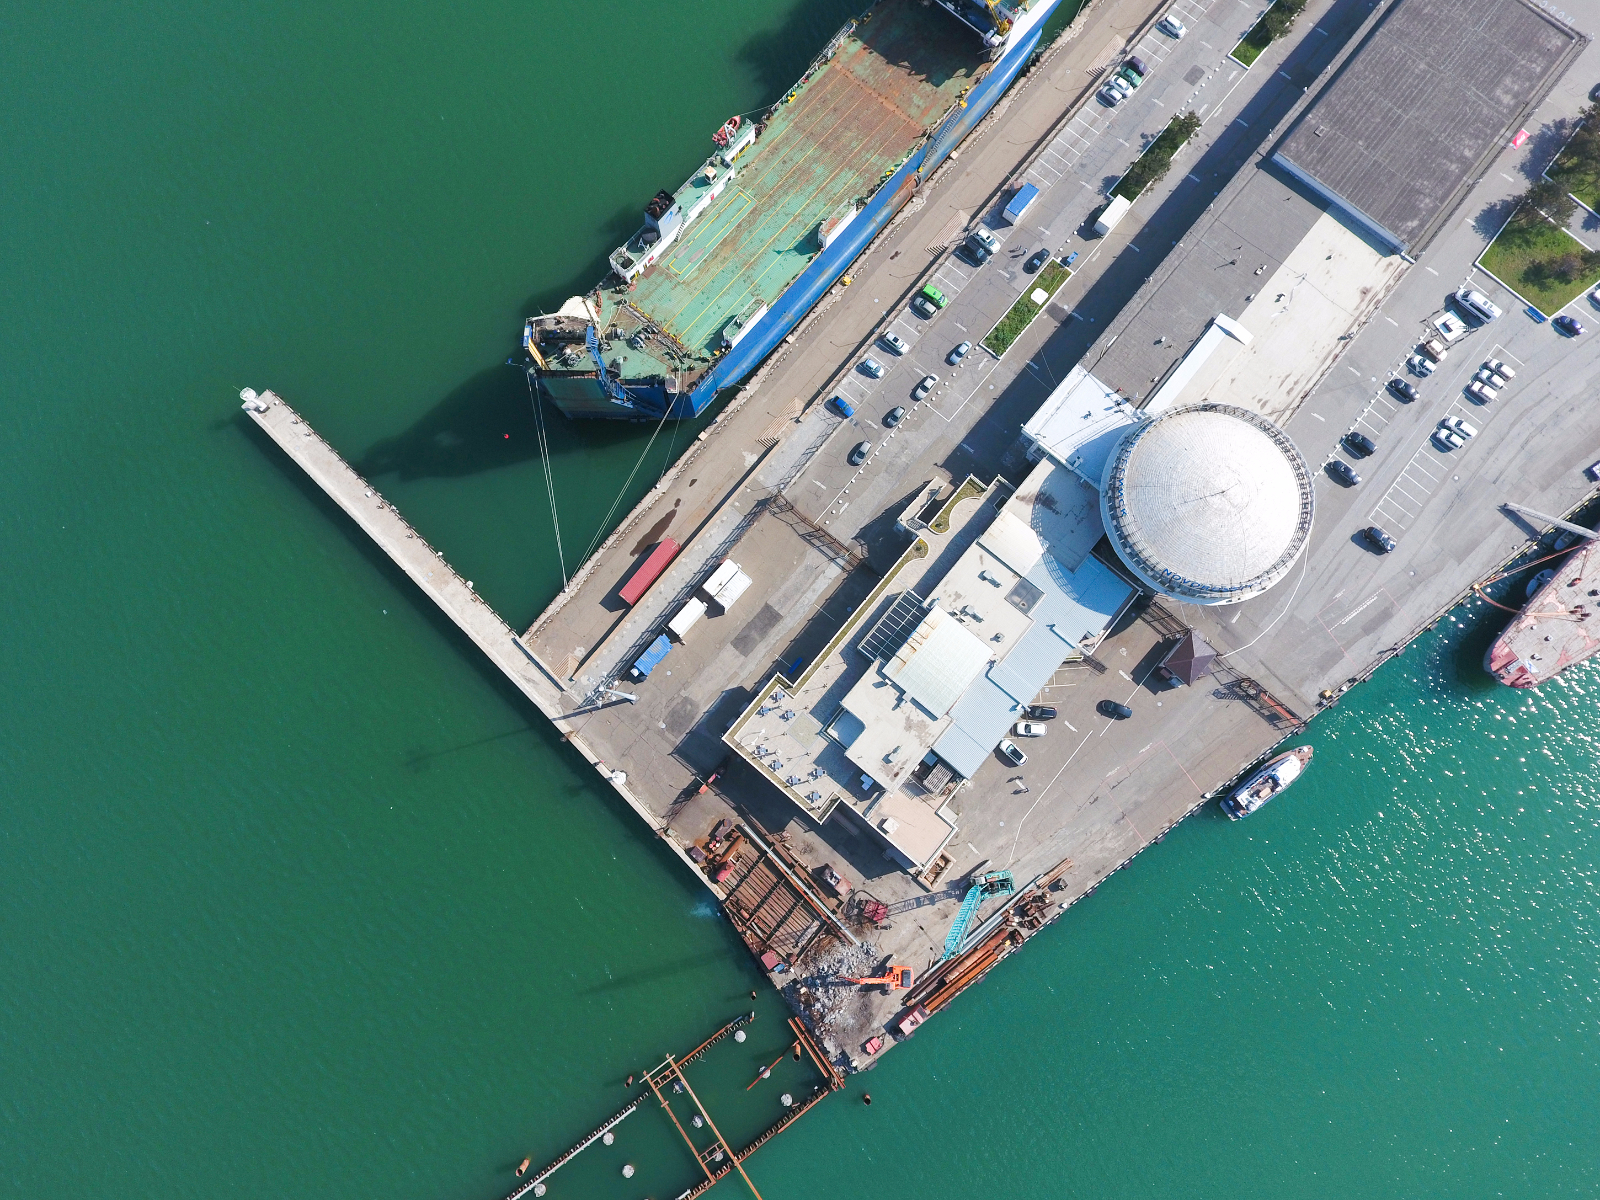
(1546, 200)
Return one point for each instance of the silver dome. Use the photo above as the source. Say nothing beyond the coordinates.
(1209, 503)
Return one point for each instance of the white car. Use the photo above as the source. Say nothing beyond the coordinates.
(1594, 297)
(1500, 368)
(1461, 426)
(1029, 729)
(1174, 28)
(1448, 439)
(1485, 375)
(893, 343)
(1476, 303)
(1011, 753)
(1122, 86)
(929, 382)
(1482, 391)
(1420, 365)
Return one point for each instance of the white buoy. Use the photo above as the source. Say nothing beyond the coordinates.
(697, 1121)
(738, 1035)
(609, 1137)
(627, 1170)
(538, 1189)
(787, 1099)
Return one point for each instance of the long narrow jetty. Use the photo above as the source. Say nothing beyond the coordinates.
(427, 568)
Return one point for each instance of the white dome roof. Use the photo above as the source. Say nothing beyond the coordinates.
(1210, 503)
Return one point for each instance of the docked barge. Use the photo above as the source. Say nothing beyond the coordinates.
(726, 265)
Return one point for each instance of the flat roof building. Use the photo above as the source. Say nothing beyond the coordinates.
(1412, 118)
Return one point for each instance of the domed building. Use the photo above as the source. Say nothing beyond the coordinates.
(1208, 503)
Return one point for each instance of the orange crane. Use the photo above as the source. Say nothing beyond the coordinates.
(895, 977)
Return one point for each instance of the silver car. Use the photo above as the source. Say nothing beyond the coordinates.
(1171, 26)
(1448, 439)
(929, 382)
(873, 367)
(1485, 375)
(1500, 368)
(1463, 429)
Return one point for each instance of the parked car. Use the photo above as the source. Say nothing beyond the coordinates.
(1421, 365)
(859, 454)
(843, 405)
(872, 366)
(924, 307)
(1487, 376)
(1129, 76)
(893, 343)
(1434, 350)
(1594, 296)
(1448, 439)
(1039, 712)
(1030, 729)
(1360, 443)
(1403, 388)
(1009, 751)
(1110, 708)
(1123, 88)
(1380, 540)
(1462, 427)
(929, 382)
(1109, 96)
(972, 254)
(1171, 26)
(1137, 64)
(893, 416)
(1568, 325)
(1040, 257)
(1476, 303)
(1482, 393)
(957, 354)
(1500, 368)
(1343, 472)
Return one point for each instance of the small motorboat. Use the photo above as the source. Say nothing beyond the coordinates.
(1277, 774)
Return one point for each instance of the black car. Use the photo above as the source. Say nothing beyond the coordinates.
(1570, 326)
(1403, 389)
(1343, 472)
(1360, 443)
(1039, 712)
(1110, 708)
(975, 255)
(1038, 260)
(1381, 541)
(859, 454)
(892, 417)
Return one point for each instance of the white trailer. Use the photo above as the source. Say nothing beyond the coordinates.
(686, 617)
(731, 591)
(1114, 212)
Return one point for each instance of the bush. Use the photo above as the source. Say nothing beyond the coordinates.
(1274, 23)
(1152, 166)
(1544, 201)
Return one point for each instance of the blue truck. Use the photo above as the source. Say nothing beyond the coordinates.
(651, 658)
(1026, 195)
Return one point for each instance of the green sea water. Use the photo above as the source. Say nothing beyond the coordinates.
(301, 899)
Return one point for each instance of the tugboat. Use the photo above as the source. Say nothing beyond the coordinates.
(1266, 783)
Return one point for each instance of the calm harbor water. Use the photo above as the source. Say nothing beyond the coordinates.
(301, 899)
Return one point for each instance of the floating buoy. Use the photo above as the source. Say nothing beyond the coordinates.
(627, 1170)
(738, 1035)
(609, 1137)
(524, 1167)
(696, 1120)
(538, 1189)
(788, 1100)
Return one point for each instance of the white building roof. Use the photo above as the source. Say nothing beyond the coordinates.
(1080, 423)
(938, 662)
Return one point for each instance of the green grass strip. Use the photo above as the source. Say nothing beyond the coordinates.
(1274, 23)
(1009, 327)
(1151, 166)
(1545, 265)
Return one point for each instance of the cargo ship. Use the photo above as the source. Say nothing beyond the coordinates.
(1557, 628)
(725, 266)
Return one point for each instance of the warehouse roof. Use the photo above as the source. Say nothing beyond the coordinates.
(1411, 119)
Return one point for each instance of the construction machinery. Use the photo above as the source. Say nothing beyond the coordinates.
(990, 883)
(895, 977)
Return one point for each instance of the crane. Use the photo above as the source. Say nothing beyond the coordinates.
(990, 883)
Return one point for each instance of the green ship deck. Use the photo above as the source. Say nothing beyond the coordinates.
(828, 144)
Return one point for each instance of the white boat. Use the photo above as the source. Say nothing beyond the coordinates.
(1266, 783)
